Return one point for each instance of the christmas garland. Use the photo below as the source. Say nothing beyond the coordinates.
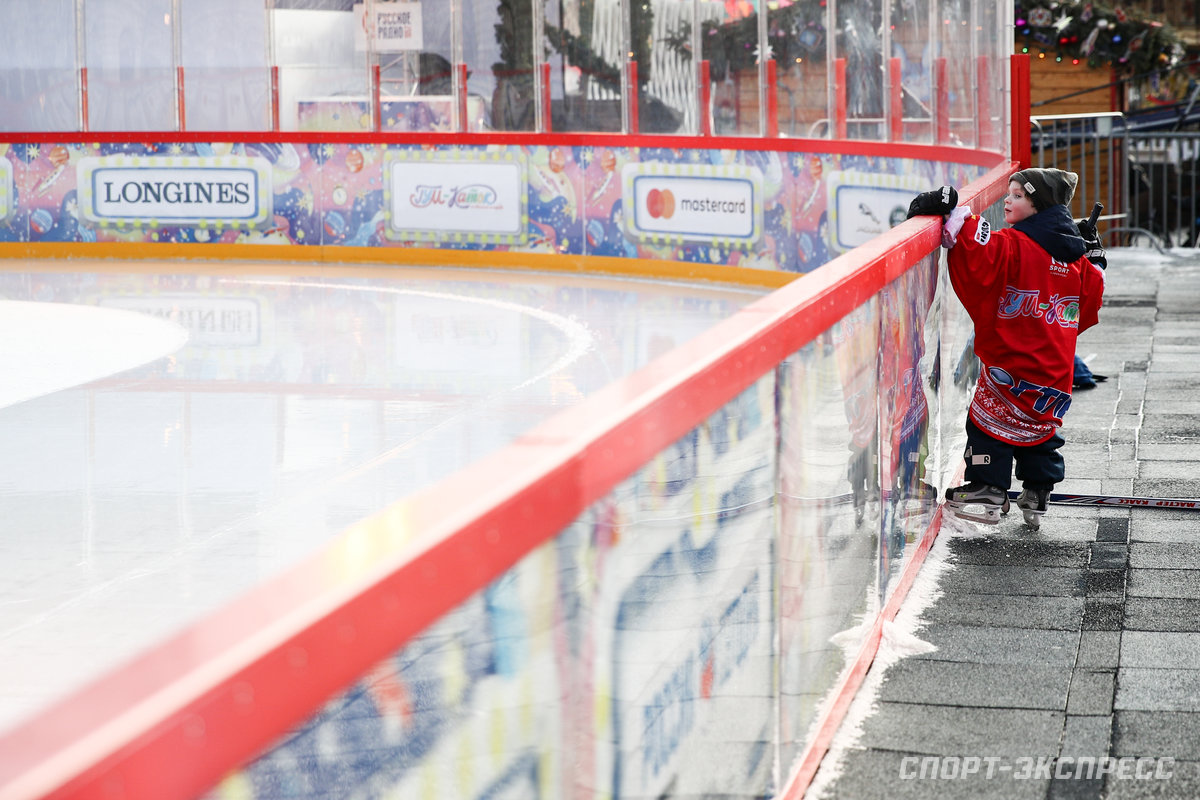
(1097, 35)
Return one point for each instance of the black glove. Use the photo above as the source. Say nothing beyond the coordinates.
(939, 202)
(1091, 240)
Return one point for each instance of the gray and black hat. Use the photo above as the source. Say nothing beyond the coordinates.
(1047, 187)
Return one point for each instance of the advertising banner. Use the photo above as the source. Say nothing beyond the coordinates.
(458, 197)
(863, 205)
(150, 191)
(697, 203)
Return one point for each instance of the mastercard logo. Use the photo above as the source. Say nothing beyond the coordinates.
(660, 203)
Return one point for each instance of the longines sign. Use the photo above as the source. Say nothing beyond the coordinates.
(225, 191)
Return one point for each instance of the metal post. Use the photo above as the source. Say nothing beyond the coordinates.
(772, 100)
(177, 59)
(81, 66)
(896, 104)
(835, 88)
(839, 73)
(766, 79)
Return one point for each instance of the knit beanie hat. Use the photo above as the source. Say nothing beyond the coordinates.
(1047, 187)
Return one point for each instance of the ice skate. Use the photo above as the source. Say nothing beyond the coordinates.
(1032, 503)
(977, 502)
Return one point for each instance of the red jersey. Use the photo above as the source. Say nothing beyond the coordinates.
(1028, 308)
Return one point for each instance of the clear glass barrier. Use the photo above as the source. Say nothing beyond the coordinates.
(130, 57)
(39, 89)
(226, 72)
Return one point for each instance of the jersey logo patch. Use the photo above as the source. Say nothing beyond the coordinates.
(984, 232)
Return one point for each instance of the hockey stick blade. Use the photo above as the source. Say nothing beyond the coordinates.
(1177, 503)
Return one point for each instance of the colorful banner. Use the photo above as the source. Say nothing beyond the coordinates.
(764, 210)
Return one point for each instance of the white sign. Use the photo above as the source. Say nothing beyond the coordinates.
(691, 203)
(429, 197)
(7, 202)
(396, 27)
(864, 205)
(183, 190)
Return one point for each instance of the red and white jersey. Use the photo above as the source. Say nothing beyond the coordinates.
(1028, 309)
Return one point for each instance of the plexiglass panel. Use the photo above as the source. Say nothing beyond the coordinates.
(129, 47)
(223, 51)
(499, 53)
(957, 50)
(799, 38)
(913, 47)
(323, 77)
(587, 49)
(729, 36)
(38, 75)
(859, 45)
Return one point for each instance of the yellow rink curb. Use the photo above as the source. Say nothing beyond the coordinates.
(400, 256)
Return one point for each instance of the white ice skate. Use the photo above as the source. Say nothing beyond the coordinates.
(977, 502)
(1032, 503)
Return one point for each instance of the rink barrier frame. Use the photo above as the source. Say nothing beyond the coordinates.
(174, 720)
(939, 153)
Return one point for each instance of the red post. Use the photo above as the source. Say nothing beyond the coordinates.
(547, 117)
(983, 90)
(1022, 146)
(772, 100)
(464, 124)
(275, 98)
(83, 99)
(376, 103)
(839, 88)
(705, 98)
(896, 106)
(179, 99)
(633, 96)
(942, 93)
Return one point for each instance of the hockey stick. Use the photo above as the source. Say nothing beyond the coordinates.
(1178, 503)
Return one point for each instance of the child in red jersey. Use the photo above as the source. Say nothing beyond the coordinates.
(1030, 290)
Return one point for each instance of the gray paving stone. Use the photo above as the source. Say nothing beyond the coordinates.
(1005, 580)
(1086, 735)
(1162, 614)
(1010, 611)
(1157, 734)
(995, 551)
(1163, 555)
(988, 645)
(1160, 650)
(1164, 583)
(1182, 783)
(1141, 689)
(954, 730)
(1091, 692)
(955, 683)
(1109, 555)
(1165, 526)
(1103, 614)
(876, 774)
(1099, 650)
